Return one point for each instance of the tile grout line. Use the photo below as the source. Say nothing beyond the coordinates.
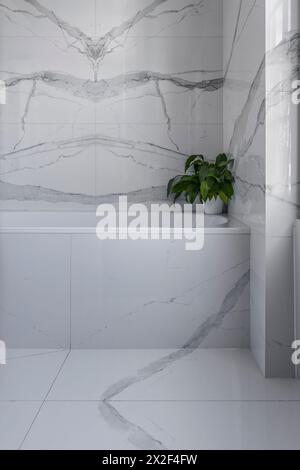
(131, 36)
(164, 400)
(44, 400)
(282, 400)
(70, 292)
(54, 351)
(95, 114)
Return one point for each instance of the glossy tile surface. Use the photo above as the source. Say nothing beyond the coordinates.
(261, 127)
(73, 288)
(15, 420)
(35, 291)
(244, 30)
(29, 374)
(168, 425)
(150, 399)
(168, 375)
(155, 294)
(79, 79)
(243, 105)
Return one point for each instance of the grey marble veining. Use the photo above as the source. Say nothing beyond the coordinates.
(259, 106)
(260, 131)
(113, 417)
(99, 90)
(188, 347)
(90, 74)
(164, 303)
(33, 193)
(95, 49)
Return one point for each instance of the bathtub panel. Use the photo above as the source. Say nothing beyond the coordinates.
(155, 294)
(35, 290)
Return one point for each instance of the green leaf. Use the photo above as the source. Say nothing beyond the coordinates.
(177, 196)
(204, 189)
(223, 197)
(192, 160)
(203, 172)
(171, 183)
(222, 160)
(192, 193)
(228, 190)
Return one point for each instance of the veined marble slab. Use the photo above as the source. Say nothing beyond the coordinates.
(104, 99)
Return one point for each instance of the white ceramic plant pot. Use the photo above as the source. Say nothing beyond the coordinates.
(214, 207)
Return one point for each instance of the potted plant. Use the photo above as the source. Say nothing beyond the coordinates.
(205, 182)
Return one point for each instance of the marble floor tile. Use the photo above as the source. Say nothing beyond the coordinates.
(144, 399)
(87, 374)
(15, 420)
(29, 374)
(166, 425)
(167, 375)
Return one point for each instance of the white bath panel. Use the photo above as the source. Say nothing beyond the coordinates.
(35, 290)
(155, 294)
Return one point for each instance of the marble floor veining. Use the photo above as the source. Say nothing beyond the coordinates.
(144, 399)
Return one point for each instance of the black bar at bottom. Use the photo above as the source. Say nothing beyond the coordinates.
(135, 459)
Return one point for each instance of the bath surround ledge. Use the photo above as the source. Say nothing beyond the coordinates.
(86, 222)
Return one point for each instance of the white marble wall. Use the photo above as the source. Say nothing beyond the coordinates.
(244, 138)
(79, 291)
(105, 98)
(261, 131)
(244, 99)
(282, 179)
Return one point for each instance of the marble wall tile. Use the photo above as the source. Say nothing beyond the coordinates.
(282, 178)
(166, 103)
(35, 291)
(260, 130)
(75, 64)
(282, 164)
(244, 138)
(240, 20)
(243, 105)
(27, 17)
(170, 18)
(49, 156)
(147, 294)
(258, 298)
(279, 307)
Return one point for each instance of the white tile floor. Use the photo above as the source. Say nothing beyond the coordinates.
(149, 399)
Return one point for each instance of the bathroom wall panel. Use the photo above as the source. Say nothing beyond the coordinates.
(190, 23)
(282, 180)
(155, 294)
(243, 111)
(35, 290)
(280, 307)
(244, 138)
(261, 131)
(70, 66)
